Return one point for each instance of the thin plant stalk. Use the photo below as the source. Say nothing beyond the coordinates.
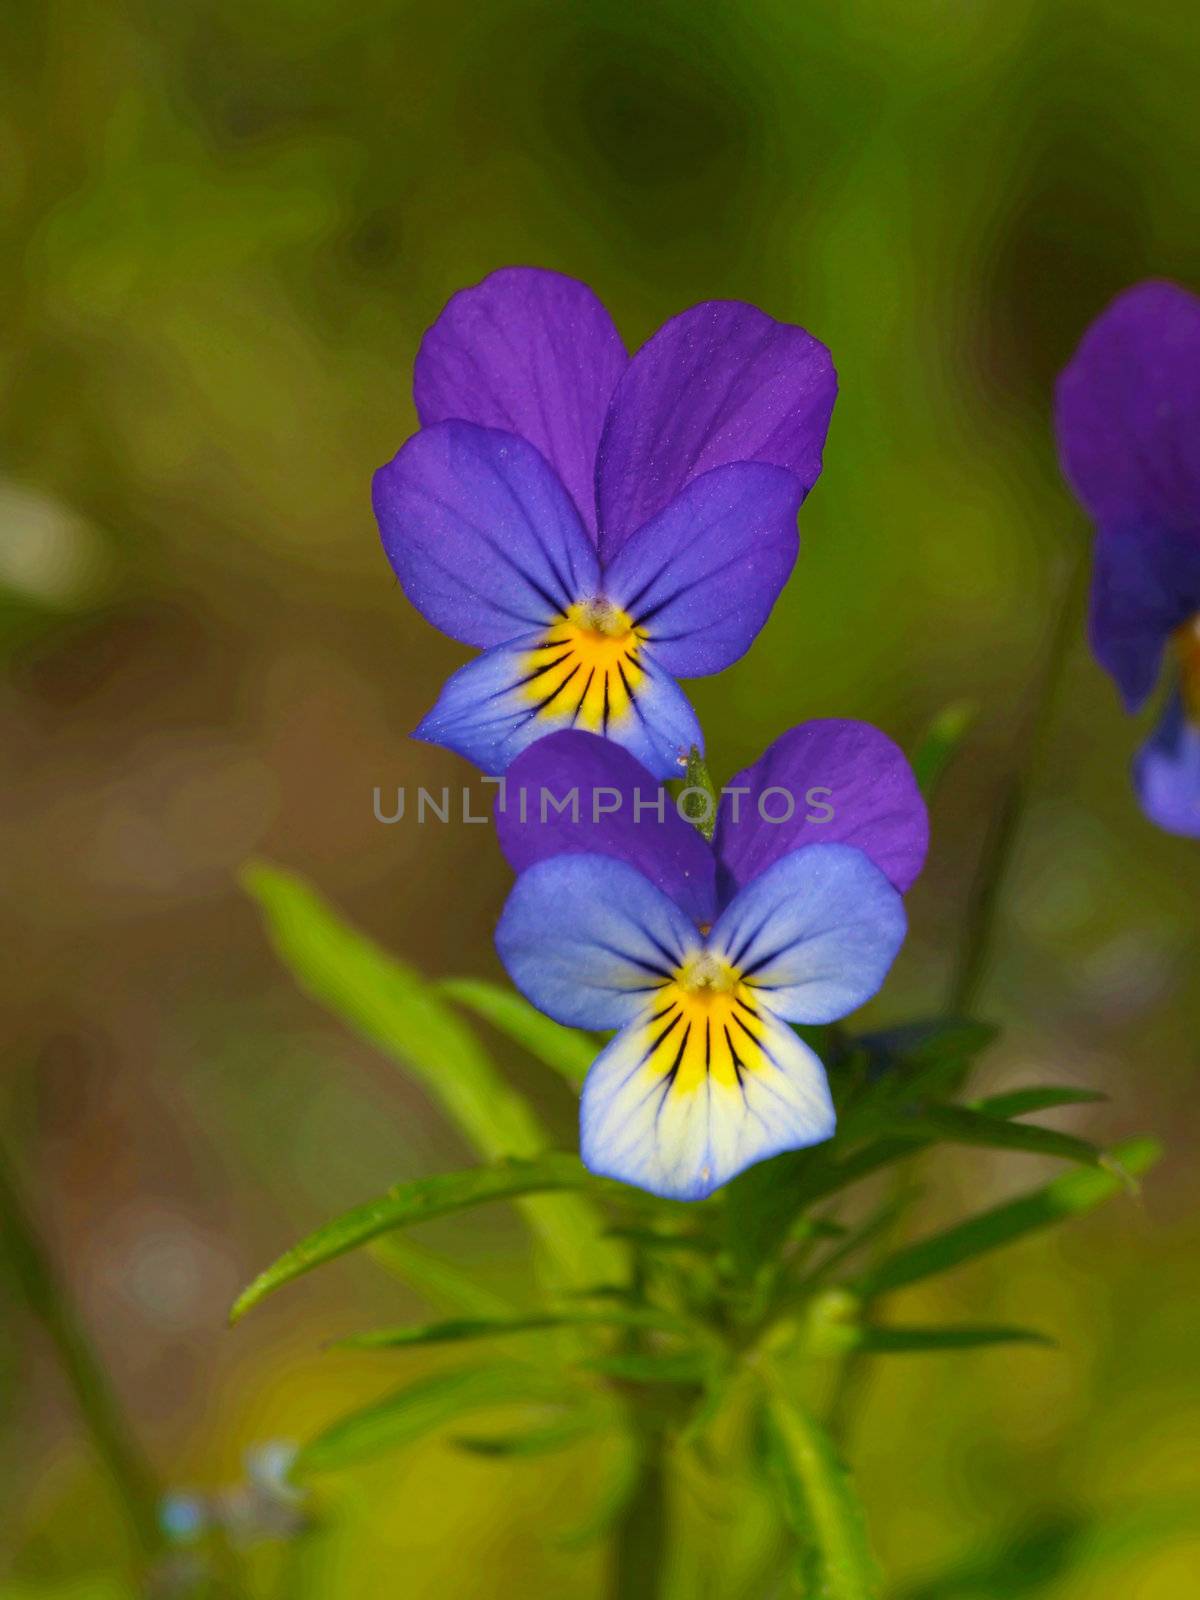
(983, 904)
(640, 1542)
(38, 1281)
(995, 861)
(639, 1548)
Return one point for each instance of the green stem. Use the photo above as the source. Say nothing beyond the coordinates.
(702, 801)
(640, 1545)
(979, 937)
(37, 1280)
(995, 859)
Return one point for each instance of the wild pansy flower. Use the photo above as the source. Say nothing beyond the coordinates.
(1128, 422)
(598, 525)
(702, 955)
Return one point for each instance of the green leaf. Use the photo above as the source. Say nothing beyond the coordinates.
(919, 1044)
(762, 1204)
(407, 1203)
(444, 1285)
(454, 1331)
(537, 1441)
(1032, 1559)
(686, 1366)
(834, 1174)
(566, 1051)
(1067, 1196)
(875, 1340)
(921, 1059)
(961, 1125)
(820, 1503)
(421, 1408)
(393, 1007)
(1020, 1102)
(462, 1328)
(940, 744)
(875, 1225)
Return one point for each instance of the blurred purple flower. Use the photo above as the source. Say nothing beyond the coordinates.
(701, 955)
(597, 525)
(1128, 424)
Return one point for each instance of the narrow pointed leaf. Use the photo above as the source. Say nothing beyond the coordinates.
(1070, 1195)
(876, 1224)
(421, 1408)
(536, 1441)
(761, 1205)
(567, 1051)
(391, 1005)
(914, 1341)
(919, 1044)
(821, 1504)
(446, 1286)
(463, 1328)
(687, 1366)
(1020, 1102)
(961, 1125)
(1029, 1561)
(922, 1060)
(407, 1203)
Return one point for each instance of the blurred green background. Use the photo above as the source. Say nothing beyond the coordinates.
(225, 228)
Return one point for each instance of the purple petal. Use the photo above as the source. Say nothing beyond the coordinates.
(622, 812)
(1166, 773)
(1127, 412)
(719, 383)
(533, 352)
(483, 537)
(834, 782)
(516, 693)
(587, 939)
(701, 577)
(814, 935)
(1145, 583)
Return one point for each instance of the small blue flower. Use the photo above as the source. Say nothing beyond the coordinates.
(183, 1518)
(701, 956)
(597, 525)
(1128, 422)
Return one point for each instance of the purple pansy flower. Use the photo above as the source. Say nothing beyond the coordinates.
(1128, 422)
(597, 525)
(702, 955)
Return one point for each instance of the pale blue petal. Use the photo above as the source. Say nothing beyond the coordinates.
(815, 934)
(1166, 773)
(589, 940)
(516, 693)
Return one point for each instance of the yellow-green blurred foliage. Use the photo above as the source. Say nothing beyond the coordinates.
(225, 227)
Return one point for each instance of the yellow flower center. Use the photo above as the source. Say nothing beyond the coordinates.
(600, 616)
(586, 669)
(704, 976)
(706, 1023)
